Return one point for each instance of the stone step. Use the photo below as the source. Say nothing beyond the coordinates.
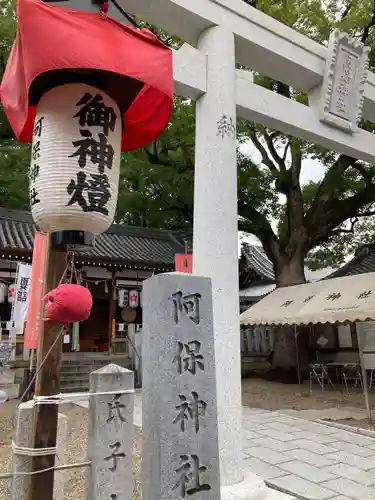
(76, 370)
(75, 378)
(75, 388)
(75, 373)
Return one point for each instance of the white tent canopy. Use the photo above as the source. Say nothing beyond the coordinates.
(337, 300)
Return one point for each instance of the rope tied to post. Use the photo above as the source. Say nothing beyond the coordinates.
(32, 452)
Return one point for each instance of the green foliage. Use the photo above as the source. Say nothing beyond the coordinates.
(157, 182)
(319, 222)
(14, 156)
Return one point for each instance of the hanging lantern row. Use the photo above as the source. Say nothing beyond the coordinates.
(128, 298)
(82, 88)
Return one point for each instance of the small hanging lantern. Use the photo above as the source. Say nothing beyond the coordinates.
(82, 88)
(133, 299)
(123, 298)
(11, 292)
(3, 292)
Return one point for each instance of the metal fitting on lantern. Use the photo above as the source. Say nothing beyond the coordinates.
(73, 239)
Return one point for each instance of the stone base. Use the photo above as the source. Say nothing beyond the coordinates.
(7, 376)
(11, 389)
(252, 488)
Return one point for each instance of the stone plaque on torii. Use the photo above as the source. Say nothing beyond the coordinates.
(340, 91)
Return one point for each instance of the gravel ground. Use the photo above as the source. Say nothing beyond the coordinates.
(269, 395)
(256, 393)
(75, 484)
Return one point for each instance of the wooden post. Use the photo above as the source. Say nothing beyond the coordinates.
(363, 373)
(111, 313)
(47, 384)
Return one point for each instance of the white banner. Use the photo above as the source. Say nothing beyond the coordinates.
(21, 299)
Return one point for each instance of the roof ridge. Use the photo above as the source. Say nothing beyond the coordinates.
(25, 216)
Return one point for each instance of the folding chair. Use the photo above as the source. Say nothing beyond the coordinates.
(319, 373)
(351, 372)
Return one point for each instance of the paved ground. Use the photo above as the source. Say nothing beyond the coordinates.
(309, 460)
(303, 458)
(291, 452)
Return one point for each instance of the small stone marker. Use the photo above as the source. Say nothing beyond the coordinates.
(111, 429)
(180, 431)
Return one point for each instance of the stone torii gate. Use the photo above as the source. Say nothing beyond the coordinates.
(340, 92)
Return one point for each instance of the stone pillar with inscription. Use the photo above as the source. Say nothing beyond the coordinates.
(111, 430)
(216, 236)
(180, 456)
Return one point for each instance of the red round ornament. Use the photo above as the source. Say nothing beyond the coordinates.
(68, 304)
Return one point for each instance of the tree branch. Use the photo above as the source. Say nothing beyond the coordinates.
(271, 147)
(326, 190)
(346, 11)
(154, 157)
(170, 206)
(369, 213)
(266, 160)
(339, 231)
(288, 144)
(296, 166)
(367, 177)
(256, 223)
(335, 212)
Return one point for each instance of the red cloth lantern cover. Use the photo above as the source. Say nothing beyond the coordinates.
(68, 304)
(56, 46)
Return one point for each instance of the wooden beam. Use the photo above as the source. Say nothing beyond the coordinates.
(47, 384)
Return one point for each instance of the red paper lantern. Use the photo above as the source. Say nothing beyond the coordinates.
(68, 304)
(134, 299)
(56, 46)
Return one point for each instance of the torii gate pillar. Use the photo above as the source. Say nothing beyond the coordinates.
(215, 248)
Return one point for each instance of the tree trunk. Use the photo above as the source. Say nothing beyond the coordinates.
(289, 271)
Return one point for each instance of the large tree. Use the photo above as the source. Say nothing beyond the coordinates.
(316, 222)
(320, 212)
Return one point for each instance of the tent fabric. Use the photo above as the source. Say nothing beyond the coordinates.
(338, 300)
(56, 38)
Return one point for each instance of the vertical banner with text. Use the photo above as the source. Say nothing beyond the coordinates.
(36, 291)
(20, 300)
